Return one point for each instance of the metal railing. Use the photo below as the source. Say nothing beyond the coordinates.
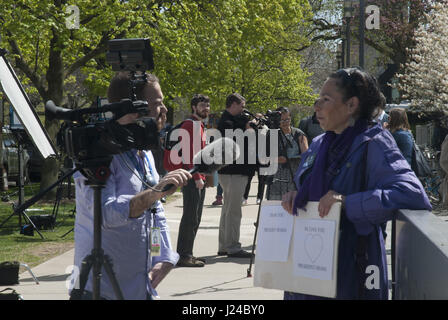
(419, 256)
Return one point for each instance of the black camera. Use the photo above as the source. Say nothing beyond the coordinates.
(88, 138)
(271, 119)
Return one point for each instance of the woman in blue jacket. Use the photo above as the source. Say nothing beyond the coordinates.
(357, 163)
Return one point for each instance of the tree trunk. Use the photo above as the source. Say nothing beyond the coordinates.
(55, 80)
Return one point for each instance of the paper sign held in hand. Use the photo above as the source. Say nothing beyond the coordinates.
(275, 231)
(311, 265)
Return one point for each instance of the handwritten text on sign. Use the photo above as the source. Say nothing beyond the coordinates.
(313, 248)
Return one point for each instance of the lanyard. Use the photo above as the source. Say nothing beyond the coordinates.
(148, 179)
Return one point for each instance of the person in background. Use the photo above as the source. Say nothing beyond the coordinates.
(233, 179)
(358, 164)
(444, 165)
(401, 131)
(194, 191)
(382, 117)
(218, 200)
(311, 127)
(438, 135)
(292, 144)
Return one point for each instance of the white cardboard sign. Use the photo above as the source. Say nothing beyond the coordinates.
(311, 265)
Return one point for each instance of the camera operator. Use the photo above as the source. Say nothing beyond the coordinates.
(132, 215)
(233, 179)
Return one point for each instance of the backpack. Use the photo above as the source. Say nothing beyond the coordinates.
(419, 163)
(9, 273)
(169, 147)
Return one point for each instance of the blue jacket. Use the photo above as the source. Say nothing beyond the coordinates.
(374, 190)
(405, 143)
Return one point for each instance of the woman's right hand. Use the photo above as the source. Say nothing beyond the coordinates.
(288, 201)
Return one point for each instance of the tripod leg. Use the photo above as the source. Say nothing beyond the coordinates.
(111, 274)
(57, 202)
(86, 265)
(249, 270)
(6, 220)
(65, 234)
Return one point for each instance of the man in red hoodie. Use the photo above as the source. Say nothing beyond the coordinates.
(194, 191)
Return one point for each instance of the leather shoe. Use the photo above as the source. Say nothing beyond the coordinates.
(240, 254)
(190, 262)
(222, 253)
(200, 259)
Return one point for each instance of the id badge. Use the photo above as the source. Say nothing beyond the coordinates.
(155, 242)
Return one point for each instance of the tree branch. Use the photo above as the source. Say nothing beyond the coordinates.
(22, 65)
(101, 48)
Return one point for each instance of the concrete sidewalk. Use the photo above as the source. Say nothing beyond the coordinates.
(222, 278)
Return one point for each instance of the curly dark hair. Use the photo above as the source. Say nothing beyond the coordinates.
(354, 82)
(197, 98)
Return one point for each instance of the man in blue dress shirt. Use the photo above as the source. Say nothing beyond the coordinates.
(128, 223)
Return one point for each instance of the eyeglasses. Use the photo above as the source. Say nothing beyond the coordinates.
(285, 120)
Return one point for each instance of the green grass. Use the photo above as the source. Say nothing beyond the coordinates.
(33, 250)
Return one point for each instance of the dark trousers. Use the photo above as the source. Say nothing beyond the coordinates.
(260, 187)
(219, 191)
(191, 218)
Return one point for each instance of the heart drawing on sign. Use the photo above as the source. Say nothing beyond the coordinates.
(314, 245)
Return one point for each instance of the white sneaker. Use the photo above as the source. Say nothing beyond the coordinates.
(258, 201)
(244, 203)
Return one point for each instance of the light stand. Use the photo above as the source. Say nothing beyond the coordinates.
(20, 137)
(19, 100)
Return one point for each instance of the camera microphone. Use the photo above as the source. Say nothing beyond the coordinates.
(119, 109)
(213, 157)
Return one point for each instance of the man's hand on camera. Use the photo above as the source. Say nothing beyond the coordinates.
(145, 199)
(159, 272)
(128, 118)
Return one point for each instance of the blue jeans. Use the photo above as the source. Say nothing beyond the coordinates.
(219, 191)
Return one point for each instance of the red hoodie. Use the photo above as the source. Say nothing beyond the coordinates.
(195, 146)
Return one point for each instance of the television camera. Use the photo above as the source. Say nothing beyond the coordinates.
(88, 138)
(271, 119)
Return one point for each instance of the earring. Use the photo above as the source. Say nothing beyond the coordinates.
(351, 121)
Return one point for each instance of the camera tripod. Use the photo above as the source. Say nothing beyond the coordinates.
(269, 181)
(96, 259)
